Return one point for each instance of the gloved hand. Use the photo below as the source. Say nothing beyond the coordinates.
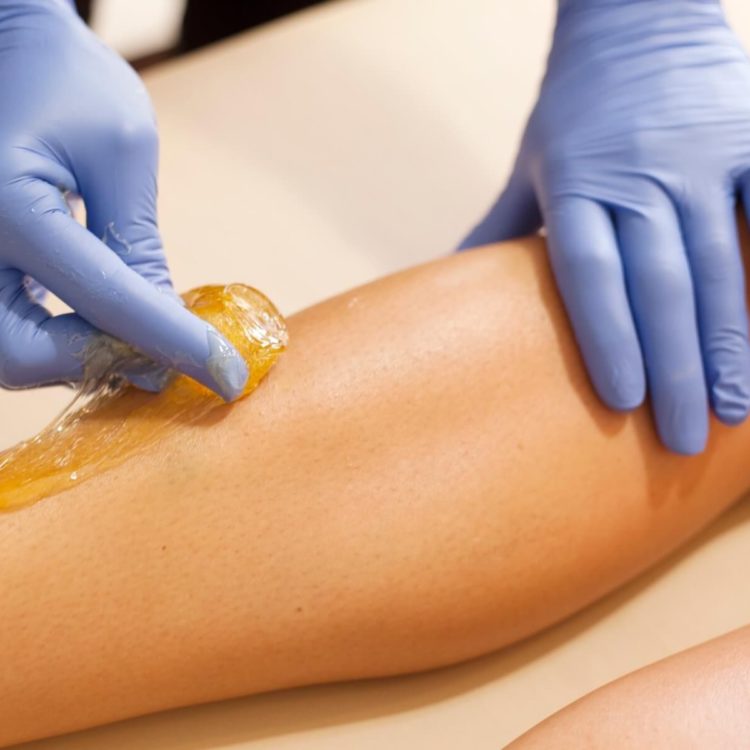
(633, 159)
(75, 118)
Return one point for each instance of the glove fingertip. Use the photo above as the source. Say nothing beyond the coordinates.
(687, 442)
(615, 364)
(682, 423)
(153, 381)
(622, 387)
(731, 401)
(226, 367)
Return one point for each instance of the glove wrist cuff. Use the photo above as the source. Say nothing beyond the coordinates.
(564, 5)
(633, 25)
(645, 9)
(21, 5)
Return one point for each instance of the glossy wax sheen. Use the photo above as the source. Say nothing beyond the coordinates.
(104, 427)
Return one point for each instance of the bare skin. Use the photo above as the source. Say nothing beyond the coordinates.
(699, 698)
(424, 477)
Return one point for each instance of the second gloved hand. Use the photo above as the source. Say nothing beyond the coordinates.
(633, 159)
(76, 118)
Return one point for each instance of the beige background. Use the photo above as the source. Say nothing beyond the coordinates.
(324, 151)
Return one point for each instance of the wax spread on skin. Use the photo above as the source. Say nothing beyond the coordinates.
(110, 420)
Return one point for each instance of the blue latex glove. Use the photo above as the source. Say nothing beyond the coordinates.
(633, 158)
(76, 118)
